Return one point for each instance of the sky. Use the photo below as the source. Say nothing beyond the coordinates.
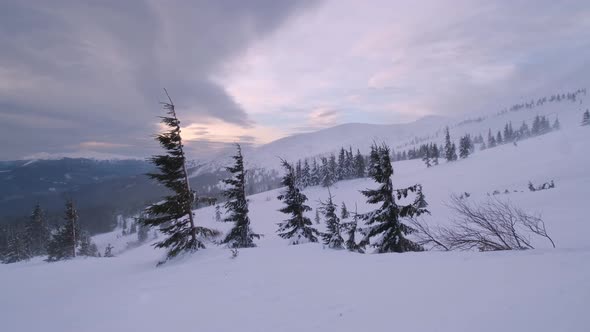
(86, 77)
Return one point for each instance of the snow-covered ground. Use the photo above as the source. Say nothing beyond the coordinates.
(277, 287)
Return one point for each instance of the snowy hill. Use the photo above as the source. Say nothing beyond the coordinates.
(277, 287)
(403, 136)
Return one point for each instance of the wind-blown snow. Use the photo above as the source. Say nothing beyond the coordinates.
(277, 287)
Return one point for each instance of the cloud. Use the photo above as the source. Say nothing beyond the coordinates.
(100, 66)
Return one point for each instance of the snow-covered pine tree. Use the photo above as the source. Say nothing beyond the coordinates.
(37, 232)
(314, 179)
(385, 223)
(450, 150)
(465, 146)
(344, 214)
(586, 118)
(174, 216)
(556, 124)
(332, 237)
(317, 216)
(426, 158)
(298, 228)
(499, 139)
(333, 169)
(241, 235)
(64, 242)
(341, 166)
(351, 229)
(435, 153)
(359, 165)
(18, 247)
(306, 174)
(325, 176)
(491, 139)
(87, 247)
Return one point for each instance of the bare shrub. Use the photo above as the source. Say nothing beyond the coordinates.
(489, 226)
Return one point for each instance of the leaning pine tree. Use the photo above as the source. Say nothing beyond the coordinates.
(240, 236)
(174, 215)
(332, 237)
(298, 228)
(385, 223)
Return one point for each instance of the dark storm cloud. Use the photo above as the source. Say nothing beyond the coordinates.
(92, 71)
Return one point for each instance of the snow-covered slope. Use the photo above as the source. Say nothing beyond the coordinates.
(277, 287)
(398, 136)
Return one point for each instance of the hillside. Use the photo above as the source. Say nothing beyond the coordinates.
(277, 287)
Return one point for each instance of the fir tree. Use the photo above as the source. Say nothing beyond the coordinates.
(317, 216)
(435, 153)
(351, 229)
(426, 158)
(37, 232)
(18, 248)
(556, 124)
(491, 140)
(65, 241)
(359, 165)
(586, 118)
(385, 223)
(315, 173)
(240, 236)
(306, 175)
(344, 214)
(465, 146)
(450, 150)
(332, 237)
(499, 138)
(297, 228)
(87, 247)
(174, 215)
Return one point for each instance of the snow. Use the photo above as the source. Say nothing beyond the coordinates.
(277, 287)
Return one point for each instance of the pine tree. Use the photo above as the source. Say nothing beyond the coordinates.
(385, 223)
(351, 229)
(65, 241)
(317, 217)
(344, 214)
(37, 232)
(341, 166)
(240, 236)
(315, 173)
(306, 175)
(326, 177)
(298, 228)
(465, 146)
(332, 237)
(174, 215)
(556, 124)
(499, 138)
(450, 149)
(18, 248)
(359, 165)
(586, 118)
(426, 158)
(87, 247)
(491, 140)
(435, 153)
